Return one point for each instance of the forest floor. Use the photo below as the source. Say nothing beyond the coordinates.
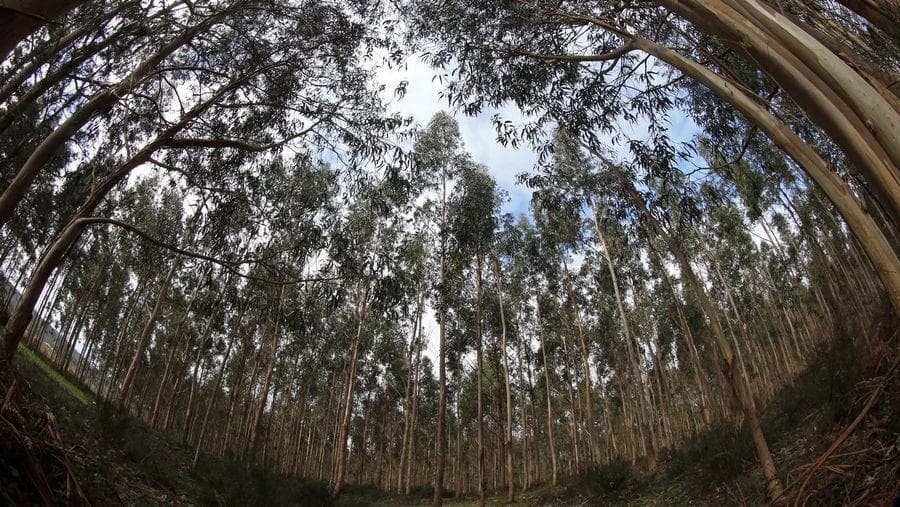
(86, 455)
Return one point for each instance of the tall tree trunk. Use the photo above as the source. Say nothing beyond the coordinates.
(337, 481)
(125, 393)
(550, 440)
(187, 426)
(440, 429)
(267, 380)
(588, 390)
(631, 345)
(235, 331)
(479, 380)
(174, 346)
(507, 436)
(731, 370)
(413, 422)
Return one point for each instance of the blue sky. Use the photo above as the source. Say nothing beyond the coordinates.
(422, 101)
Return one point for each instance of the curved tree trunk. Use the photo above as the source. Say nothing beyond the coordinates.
(864, 227)
(22, 181)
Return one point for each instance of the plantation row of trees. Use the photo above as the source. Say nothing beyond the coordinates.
(206, 210)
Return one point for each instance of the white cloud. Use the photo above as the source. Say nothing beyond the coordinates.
(423, 100)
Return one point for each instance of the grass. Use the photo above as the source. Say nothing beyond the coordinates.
(24, 353)
(120, 460)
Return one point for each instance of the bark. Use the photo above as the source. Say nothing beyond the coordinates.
(834, 96)
(631, 345)
(150, 325)
(507, 436)
(408, 394)
(415, 416)
(144, 340)
(102, 101)
(550, 440)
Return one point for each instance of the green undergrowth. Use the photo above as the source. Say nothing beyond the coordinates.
(63, 381)
(120, 460)
(719, 467)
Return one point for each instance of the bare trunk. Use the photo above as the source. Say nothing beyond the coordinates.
(234, 332)
(337, 482)
(507, 436)
(479, 380)
(441, 430)
(551, 441)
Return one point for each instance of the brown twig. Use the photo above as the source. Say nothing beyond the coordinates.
(846, 434)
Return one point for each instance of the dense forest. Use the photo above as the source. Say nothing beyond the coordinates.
(218, 233)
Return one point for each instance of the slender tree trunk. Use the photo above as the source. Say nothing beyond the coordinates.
(236, 329)
(730, 369)
(588, 390)
(174, 346)
(507, 436)
(267, 380)
(440, 429)
(550, 440)
(125, 393)
(201, 346)
(413, 422)
(341, 446)
(479, 379)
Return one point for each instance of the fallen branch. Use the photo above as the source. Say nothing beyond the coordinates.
(889, 377)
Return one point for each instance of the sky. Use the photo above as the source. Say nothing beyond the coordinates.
(422, 101)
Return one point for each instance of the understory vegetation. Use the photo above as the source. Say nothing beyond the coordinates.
(237, 268)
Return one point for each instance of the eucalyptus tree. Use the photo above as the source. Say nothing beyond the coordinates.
(438, 158)
(22, 18)
(302, 91)
(598, 67)
(506, 247)
(472, 222)
(414, 257)
(364, 247)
